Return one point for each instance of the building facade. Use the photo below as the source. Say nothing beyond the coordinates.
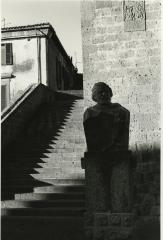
(33, 54)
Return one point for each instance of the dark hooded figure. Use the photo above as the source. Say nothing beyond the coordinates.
(106, 124)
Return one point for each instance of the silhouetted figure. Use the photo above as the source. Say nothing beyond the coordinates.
(106, 124)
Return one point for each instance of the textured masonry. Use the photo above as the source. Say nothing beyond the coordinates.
(129, 61)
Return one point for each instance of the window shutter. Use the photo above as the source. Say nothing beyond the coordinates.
(9, 54)
(3, 54)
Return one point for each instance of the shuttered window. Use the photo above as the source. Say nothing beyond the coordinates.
(6, 54)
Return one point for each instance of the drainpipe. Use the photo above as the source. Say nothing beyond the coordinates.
(39, 59)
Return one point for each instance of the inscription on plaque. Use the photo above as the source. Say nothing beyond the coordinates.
(134, 16)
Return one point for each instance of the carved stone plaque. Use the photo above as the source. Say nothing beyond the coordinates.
(134, 16)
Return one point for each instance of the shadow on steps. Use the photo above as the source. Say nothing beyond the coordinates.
(32, 228)
(20, 158)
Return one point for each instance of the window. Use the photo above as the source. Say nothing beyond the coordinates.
(6, 54)
(5, 91)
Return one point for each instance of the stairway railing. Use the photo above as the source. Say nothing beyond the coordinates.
(17, 101)
(15, 117)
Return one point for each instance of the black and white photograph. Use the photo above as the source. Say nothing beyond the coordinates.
(80, 119)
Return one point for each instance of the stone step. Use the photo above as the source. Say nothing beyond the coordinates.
(43, 204)
(42, 227)
(66, 143)
(50, 196)
(64, 113)
(75, 117)
(75, 126)
(70, 109)
(34, 155)
(52, 148)
(53, 156)
(43, 211)
(73, 114)
(60, 174)
(49, 168)
(27, 164)
(77, 137)
(34, 141)
(62, 164)
(12, 171)
(51, 171)
(76, 129)
(73, 140)
(70, 140)
(69, 106)
(70, 137)
(60, 149)
(11, 190)
(34, 151)
(25, 180)
(76, 103)
(64, 139)
(62, 188)
(62, 155)
(20, 171)
(31, 182)
(47, 163)
(48, 171)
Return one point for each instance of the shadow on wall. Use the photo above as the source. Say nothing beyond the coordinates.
(149, 230)
(147, 194)
(24, 66)
(78, 82)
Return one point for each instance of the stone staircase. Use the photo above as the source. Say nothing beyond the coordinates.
(43, 193)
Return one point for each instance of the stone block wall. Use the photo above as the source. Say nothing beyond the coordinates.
(129, 61)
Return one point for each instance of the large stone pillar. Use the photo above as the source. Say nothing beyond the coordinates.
(108, 195)
(108, 169)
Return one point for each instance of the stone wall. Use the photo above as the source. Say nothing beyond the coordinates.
(127, 57)
(128, 61)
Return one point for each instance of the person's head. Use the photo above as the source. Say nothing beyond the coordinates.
(101, 93)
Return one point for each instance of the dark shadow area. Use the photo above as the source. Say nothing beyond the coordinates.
(22, 156)
(43, 228)
(146, 194)
(78, 83)
(146, 180)
(147, 230)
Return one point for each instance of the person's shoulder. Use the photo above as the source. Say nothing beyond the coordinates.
(120, 107)
(115, 105)
(87, 112)
(90, 112)
(91, 108)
